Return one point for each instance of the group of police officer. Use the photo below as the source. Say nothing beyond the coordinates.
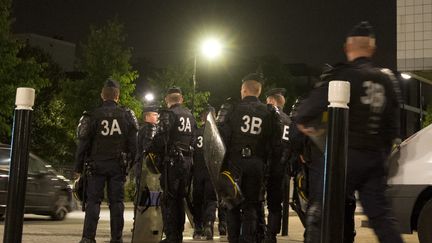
(261, 141)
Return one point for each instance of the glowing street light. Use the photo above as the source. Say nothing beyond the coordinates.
(210, 48)
(149, 97)
(405, 76)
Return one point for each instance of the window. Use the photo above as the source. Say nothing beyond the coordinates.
(36, 165)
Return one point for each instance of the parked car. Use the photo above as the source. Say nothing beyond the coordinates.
(47, 192)
(410, 184)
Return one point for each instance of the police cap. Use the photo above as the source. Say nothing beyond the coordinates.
(362, 29)
(275, 91)
(150, 109)
(110, 83)
(254, 76)
(173, 90)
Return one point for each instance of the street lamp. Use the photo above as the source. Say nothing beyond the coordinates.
(149, 97)
(210, 48)
(405, 76)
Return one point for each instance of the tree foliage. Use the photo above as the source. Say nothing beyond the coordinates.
(15, 71)
(102, 56)
(278, 75)
(49, 128)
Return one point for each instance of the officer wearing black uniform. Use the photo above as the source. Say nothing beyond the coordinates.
(373, 125)
(105, 136)
(146, 134)
(246, 128)
(312, 155)
(277, 165)
(204, 196)
(177, 136)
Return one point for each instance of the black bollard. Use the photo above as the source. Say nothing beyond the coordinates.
(335, 163)
(19, 164)
(285, 204)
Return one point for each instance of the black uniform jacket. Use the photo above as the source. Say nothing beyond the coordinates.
(374, 119)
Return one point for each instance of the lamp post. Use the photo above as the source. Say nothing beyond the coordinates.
(210, 48)
(149, 97)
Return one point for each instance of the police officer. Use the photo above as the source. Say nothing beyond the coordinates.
(311, 154)
(246, 130)
(373, 125)
(277, 165)
(204, 196)
(147, 132)
(104, 136)
(177, 133)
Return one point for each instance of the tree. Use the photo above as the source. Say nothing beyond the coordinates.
(49, 128)
(102, 56)
(277, 74)
(181, 76)
(15, 72)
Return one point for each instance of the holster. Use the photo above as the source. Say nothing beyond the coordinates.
(125, 162)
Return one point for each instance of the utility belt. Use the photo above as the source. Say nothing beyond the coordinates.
(246, 152)
(123, 159)
(177, 151)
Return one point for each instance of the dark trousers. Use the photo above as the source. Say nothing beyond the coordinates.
(204, 198)
(174, 192)
(110, 173)
(275, 196)
(315, 194)
(242, 220)
(221, 213)
(367, 174)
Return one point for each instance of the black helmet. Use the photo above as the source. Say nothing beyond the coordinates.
(78, 189)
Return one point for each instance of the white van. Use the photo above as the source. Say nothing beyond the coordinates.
(410, 184)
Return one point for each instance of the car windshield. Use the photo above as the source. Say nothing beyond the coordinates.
(36, 164)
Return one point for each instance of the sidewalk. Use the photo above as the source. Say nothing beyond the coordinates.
(40, 229)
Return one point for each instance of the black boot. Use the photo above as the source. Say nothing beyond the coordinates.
(198, 232)
(208, 231)
(270, 238)
(87, 240)
(116, 241)
(222, 228)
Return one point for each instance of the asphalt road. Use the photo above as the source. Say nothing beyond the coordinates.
(41, 229)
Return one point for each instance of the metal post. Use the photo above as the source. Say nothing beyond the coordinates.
(420, 104)
(335, 163)
(285, 204)
(19, 164)
(194, 83)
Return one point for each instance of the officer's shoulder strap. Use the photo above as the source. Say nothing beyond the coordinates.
(226, 109)
(131, 117)
(86, 113)
(229, 104)
(330, 71)
(84, 128)
(274, 111)
(166, 111)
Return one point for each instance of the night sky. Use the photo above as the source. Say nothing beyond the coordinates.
(165, 32)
